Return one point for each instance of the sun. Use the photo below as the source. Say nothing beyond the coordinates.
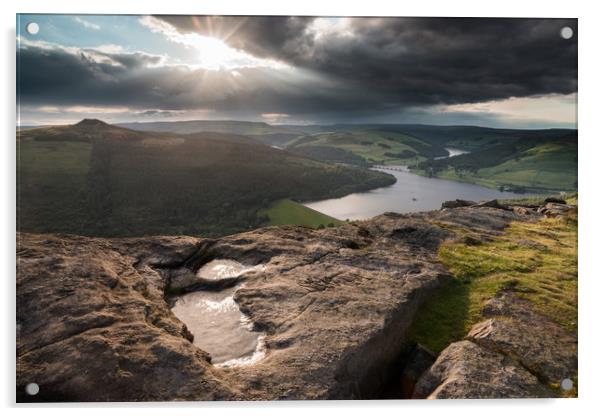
(215, 54)
(209, 51)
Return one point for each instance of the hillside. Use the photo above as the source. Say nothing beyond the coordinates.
(262, 132)
(465, 137)
(518, 160)
(521, 160)
(365, 147)
(198, 126)
(96, 179)
(528, 164)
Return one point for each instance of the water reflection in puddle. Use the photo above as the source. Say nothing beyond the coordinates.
(215, 320)
(224, 269)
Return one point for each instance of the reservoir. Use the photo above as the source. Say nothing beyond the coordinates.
(452, 151)
(411, 193)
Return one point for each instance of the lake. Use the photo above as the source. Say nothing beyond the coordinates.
(411, 193)
(452, 152)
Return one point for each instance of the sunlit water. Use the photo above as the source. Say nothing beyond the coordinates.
(411, 193)
(452, 152)
(224, 269)
(215, 320)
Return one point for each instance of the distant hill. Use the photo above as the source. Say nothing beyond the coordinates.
(474, 137)
(543, 160)
(93, 178)
(197, 126)
(84, 131)
(536, 161)
(366, 147)
(496, 159)
(259, 131)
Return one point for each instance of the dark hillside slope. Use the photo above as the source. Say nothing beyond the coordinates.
(475, 137)
(95, 179)
(466, 137)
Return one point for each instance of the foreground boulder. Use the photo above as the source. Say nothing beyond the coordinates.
(94, 319)
(494, 203)
(554, 200)
(92, 323)
(552, 209)
(464, 370)
(457, 203)
(515, 330)
(515, 353)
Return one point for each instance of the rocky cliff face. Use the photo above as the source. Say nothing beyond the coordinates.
(95, 324)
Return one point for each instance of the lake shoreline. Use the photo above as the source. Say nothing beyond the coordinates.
(484, 183)
(409, 193)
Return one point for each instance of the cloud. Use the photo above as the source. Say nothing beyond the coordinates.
(412, 61)
(212, 53)
(335, 69)
(52, 75)
(87, 24)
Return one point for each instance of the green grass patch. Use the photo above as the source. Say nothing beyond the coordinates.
(529, 166)
(536, 260)
(373, 146)
(287, 212)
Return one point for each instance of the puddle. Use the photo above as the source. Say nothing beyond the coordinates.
(224, 269)
(216, 322)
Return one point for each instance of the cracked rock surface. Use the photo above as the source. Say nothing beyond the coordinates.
(94, 318)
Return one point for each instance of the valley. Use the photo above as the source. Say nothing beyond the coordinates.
(537, 161)
(213, 178)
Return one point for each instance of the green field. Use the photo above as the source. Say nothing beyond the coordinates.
(372, 146)
(529, 166)
(287, 212)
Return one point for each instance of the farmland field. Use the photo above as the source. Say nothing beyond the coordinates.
(287, 212)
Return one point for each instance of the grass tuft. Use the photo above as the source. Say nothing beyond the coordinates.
(536, 260)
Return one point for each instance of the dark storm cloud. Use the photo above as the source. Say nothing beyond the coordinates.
(373, 67)
(63, 77)
(414, 61)
(278, 37)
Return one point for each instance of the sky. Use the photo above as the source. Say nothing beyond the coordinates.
(510, 73)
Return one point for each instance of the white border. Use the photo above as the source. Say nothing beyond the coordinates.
(590, 120)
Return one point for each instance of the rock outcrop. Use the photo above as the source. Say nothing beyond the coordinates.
(94, 318)
(464, 370)
(514, 353)
(553, 209)
(457, 203)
